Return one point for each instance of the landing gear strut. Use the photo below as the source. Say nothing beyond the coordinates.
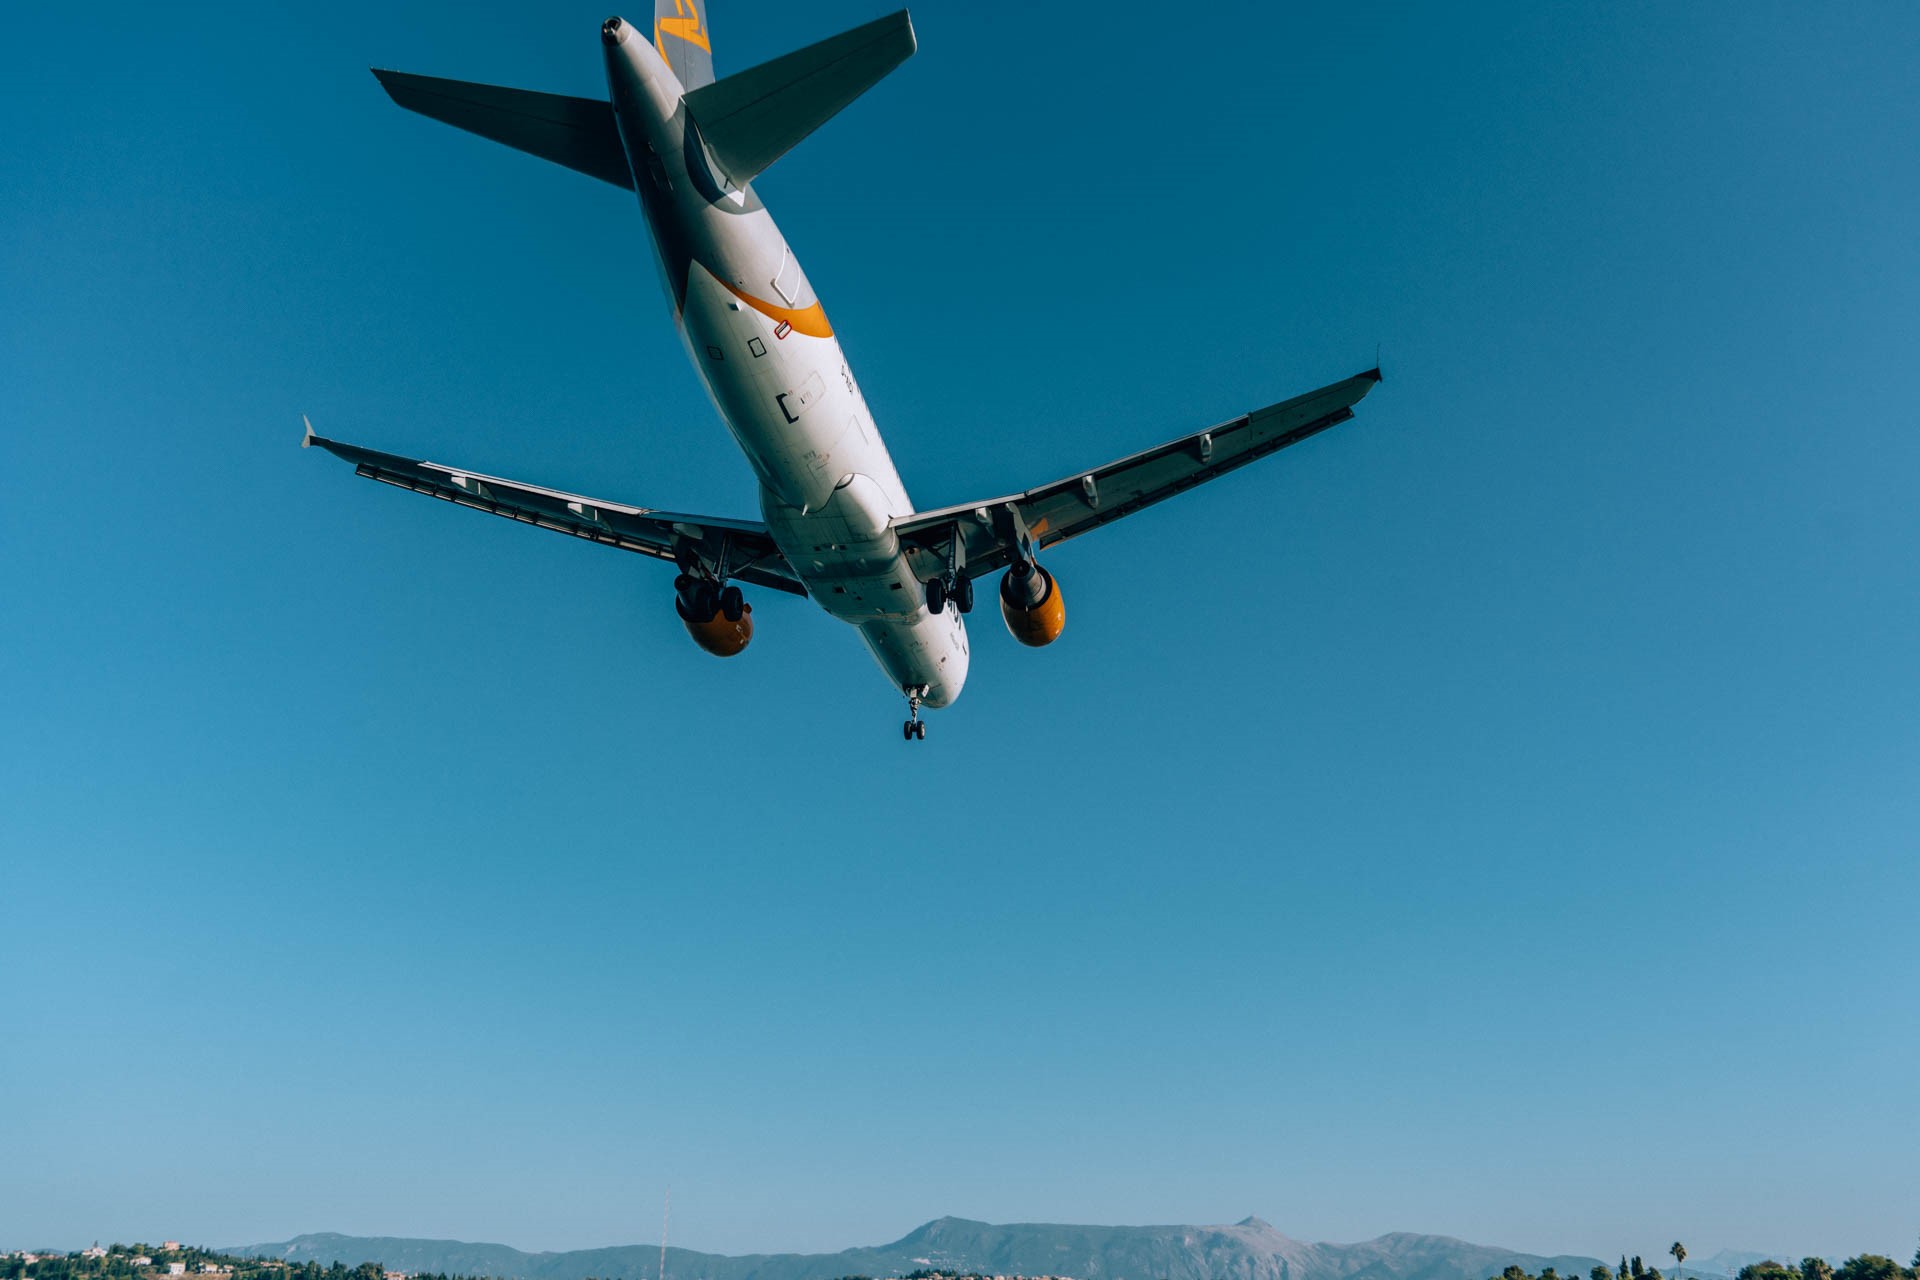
(915, 727)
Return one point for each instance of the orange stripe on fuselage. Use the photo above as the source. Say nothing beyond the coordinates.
(812, 321)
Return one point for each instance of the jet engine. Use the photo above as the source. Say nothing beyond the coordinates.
(1030, 602)
(719, 619)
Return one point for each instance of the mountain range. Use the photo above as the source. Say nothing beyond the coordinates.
(1247, 1250)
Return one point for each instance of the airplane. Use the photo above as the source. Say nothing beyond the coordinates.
(836, 523)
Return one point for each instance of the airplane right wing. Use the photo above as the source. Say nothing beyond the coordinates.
(991, 533)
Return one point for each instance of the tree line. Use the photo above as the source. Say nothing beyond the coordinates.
(1865, 1266)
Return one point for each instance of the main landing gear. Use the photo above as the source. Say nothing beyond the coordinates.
(915, 728)
(958, 591)
(703, 599)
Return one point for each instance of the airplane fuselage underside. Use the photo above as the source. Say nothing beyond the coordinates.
(829, 491)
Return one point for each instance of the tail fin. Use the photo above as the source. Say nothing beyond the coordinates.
(680, 34)
(753, 117)
(576, 132)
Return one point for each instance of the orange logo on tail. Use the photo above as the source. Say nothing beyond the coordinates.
(687, 27)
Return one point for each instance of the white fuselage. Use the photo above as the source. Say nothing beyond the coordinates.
(829, 492)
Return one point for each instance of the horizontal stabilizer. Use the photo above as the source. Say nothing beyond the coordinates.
(576, 132)
(753, 117)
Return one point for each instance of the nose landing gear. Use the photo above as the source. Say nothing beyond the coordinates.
(915, 729)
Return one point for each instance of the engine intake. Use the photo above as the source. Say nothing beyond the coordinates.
(1030, 602)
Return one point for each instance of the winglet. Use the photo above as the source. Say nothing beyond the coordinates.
(306, 440)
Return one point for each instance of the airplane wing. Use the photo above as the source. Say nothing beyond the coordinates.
(991, 532)
(749, 553)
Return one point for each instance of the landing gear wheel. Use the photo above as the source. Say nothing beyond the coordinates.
(732, 603)
(963, 595)
(936, 595)
(706, 601)
(906, 730)
(920, 730)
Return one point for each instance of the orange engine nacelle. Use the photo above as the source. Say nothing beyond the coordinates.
(1030, 602)
(719, 636)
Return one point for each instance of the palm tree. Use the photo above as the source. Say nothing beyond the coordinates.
(1679, 1252)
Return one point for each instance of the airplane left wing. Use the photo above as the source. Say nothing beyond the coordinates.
(990, 533)
(743, 546)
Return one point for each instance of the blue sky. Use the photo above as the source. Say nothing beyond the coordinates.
(1495, 817)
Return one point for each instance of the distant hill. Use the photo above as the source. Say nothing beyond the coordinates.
(1249, 1250)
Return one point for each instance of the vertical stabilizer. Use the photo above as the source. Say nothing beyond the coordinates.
(680, 34)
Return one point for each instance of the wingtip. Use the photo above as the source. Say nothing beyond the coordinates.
(1373, 374)
(306, 441)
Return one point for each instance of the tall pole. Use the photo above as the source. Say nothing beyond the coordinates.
(666, 1218)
